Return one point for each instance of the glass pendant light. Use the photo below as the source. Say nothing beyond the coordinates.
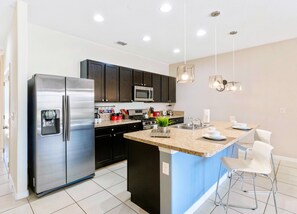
(185, 72)
(215, 81)
(233, 85)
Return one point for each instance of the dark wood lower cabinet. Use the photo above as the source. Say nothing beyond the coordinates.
(119, 147)
(103, 150)
(110, 145)
(144, 175)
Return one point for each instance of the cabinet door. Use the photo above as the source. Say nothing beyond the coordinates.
(134, 127)
(147, 79)
(164, 86)
(125, 84)
(111, 83)
(172, 90)
(119, 146)
(156, 83)
(137, 77)
(94, 70)
(103, 150)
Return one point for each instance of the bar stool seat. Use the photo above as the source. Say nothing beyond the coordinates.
(250, 166)
(260, 135)
(259, 164)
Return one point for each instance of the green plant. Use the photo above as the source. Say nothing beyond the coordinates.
(162, 121)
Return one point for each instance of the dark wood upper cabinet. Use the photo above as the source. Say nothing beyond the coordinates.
(156, 83)
(147, 79)
(94, 70)
(142, 78)
(111, 83)
(125, 84)
(164, 86)
(115, 84)
(137, 77)
(172, 89)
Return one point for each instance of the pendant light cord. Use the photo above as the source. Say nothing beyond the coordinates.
(233, 56)
(216, 60)
(185, 33)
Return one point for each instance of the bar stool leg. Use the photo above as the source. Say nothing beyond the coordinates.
(273, 192)
(229, 190)
(218, 181)
(274, 172)
(255, 195)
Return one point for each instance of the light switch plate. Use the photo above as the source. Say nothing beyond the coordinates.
(283, 110)
(165, 168)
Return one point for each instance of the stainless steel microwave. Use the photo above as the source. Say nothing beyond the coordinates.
(144, 94)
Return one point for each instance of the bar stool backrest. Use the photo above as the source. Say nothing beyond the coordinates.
(263, 135)
(262, 156)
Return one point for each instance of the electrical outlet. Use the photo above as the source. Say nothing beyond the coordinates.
(165, 168)
(283, 110)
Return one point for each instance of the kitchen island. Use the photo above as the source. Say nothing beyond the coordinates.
(177, 174)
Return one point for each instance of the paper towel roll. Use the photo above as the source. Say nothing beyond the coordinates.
(206, 116)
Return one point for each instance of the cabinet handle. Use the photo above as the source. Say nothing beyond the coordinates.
(102, 100)
(106, 100)
(134, 126)
(114, 135)
(144, 84)
(112, 130)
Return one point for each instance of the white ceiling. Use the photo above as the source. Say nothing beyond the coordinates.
(257, 22)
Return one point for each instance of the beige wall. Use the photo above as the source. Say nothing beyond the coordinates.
(16, 55)
(268, 74)
(1, 101)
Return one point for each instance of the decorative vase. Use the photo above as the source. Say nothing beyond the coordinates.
(163, 129)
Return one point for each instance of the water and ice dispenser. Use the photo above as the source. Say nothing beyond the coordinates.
(50, 122)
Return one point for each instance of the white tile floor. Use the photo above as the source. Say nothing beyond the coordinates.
(107, 193)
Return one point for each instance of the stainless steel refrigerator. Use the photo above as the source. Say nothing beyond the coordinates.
(60, 131)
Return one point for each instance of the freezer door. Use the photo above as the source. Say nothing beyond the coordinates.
(80, 133)
(50, 159)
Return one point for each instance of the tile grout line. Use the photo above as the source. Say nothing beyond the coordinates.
(30, 204)
(13, 207)
(115, 195)
(74, 202)
(120, 205)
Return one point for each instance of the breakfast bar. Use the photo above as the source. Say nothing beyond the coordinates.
(177, 174)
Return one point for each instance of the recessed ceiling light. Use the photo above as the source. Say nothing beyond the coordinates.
(201, 32)
(165, 8)
(176, 50)
(98, 18)
(146, 38)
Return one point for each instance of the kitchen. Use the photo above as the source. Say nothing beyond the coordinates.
(264, 63)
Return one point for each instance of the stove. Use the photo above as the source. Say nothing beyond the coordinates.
(140, 114)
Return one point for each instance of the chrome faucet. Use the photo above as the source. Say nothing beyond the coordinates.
(194, 120)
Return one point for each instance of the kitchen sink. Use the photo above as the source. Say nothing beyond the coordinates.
(189, 126)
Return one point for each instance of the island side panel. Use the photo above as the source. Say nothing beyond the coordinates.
(143, 177)
(189, 179)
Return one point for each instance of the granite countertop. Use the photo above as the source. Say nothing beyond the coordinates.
(125, 121)
(115, 123)
(192, 142)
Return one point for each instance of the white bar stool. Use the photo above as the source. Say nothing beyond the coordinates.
(259, 164)
(260, 135)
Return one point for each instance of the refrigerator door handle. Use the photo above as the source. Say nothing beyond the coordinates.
(68, 118)
(64, 118)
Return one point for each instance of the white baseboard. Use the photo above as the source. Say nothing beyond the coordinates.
(17, 195)
(278, 157)
(204, 197)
